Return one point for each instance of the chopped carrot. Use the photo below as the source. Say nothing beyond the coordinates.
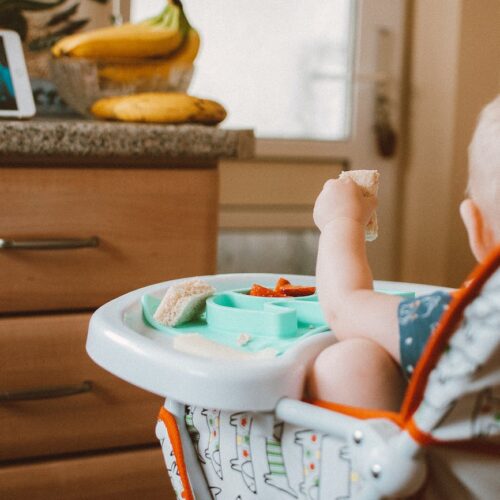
(262, 291)
(281, 282)
(283, 288)
(297, 291)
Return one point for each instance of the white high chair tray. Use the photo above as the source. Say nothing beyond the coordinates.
(122, 343)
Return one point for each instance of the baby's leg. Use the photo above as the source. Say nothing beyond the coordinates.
(357, 372)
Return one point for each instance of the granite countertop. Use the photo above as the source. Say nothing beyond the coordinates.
(91, 138)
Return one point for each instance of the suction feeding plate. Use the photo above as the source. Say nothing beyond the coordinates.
(266, 322)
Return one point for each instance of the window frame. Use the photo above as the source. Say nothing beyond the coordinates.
(370, 20)
(338, 150)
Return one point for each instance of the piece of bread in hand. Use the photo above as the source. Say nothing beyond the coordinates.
(183, 302)
(367, 180)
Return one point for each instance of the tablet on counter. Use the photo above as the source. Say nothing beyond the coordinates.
(16, 96)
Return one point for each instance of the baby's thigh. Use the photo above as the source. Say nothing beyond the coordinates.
(357, 372)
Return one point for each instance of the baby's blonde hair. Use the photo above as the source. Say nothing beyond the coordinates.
(484, 165)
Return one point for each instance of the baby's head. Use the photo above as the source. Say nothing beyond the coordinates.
(481, 213)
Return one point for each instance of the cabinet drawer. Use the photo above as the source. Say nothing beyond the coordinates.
(43, 352)
(271, 194)
(128, 475)
(152, 224)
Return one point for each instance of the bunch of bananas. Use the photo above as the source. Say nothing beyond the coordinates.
(139, 54)
(135, 52)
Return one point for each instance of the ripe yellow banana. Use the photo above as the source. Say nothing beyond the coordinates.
(160, 107)
(144, 71)
(105, 107)
(158, 36)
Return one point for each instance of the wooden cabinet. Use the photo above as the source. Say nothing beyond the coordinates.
(68, 429)
(45, 355)
(151, 224)
(252, 193)
(131, 475)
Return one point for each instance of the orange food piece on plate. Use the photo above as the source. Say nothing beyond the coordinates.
(283, 288)
(297, 291)
(281, 282)
(262, 291)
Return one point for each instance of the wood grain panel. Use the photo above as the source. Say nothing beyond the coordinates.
(267, 217)
(48, 351)
(153, 224)
(129, 475)
(267, 183)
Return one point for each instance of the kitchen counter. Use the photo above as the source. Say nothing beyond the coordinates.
(77, 139)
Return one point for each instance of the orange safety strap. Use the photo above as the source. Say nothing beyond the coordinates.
(471, 445)
(410, 426)
(175, 440)
(419, 436)
(361, 413)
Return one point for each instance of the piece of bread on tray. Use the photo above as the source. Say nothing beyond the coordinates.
(196, 344)
(183, 302)
(367, 180)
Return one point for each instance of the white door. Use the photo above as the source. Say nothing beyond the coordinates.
(311, 78)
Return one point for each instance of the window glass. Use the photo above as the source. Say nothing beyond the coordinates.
(281, 67)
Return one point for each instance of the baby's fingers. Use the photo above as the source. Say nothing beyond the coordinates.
(371, 202)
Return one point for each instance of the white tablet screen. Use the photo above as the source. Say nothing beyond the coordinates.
(7, 94)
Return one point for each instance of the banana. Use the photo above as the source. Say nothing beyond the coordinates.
(135, 73)
(158, 36)
(160, 107)
(123, 41)
(105, 108)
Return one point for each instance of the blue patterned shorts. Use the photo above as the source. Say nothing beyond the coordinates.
(418, 318)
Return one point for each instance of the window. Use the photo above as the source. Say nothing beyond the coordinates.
(305, 75)
(290, 59)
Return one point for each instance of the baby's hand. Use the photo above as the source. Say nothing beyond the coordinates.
(342, 199)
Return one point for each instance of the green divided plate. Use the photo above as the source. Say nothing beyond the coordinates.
(269, 322)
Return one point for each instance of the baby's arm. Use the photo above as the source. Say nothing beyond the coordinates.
(344, 278)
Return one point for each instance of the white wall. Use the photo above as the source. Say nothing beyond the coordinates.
(455, 71)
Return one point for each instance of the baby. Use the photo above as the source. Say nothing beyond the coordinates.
(381, 337)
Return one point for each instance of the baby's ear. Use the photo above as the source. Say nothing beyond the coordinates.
(480, 235)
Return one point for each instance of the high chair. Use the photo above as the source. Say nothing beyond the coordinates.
(237, 429)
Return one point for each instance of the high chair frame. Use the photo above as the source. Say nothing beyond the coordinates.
(388, 452)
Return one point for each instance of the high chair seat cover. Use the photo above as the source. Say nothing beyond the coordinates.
(458, 417)
(250, 455)
(451, 410)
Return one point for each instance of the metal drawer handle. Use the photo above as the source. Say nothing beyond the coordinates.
(60, 391)
(48, 244)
